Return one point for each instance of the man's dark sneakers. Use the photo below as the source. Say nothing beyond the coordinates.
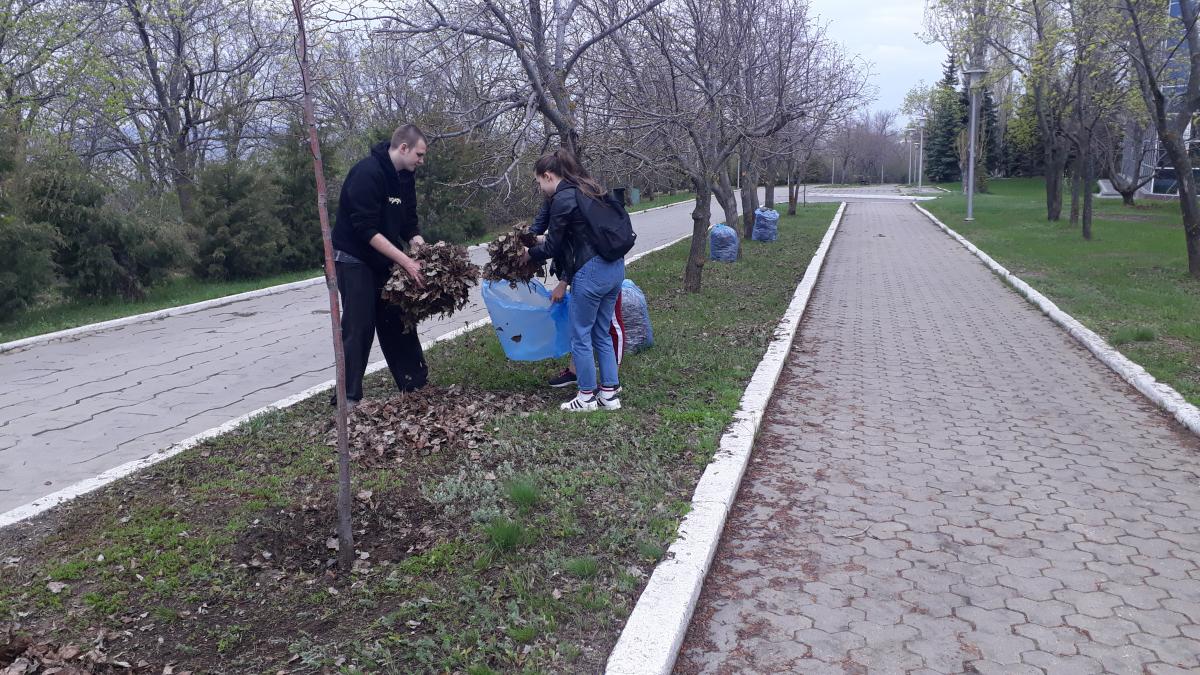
(564, 379)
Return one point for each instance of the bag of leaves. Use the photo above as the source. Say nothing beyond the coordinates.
(529, 326)
(449, 275)
(505, 258)
(723, 243)
(635, 315)
(766, 224)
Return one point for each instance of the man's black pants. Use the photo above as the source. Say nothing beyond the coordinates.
(363, 314)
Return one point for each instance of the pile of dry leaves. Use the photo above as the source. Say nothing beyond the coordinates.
(505, 253)
(430, 420)
(449, 275)
(20, 655)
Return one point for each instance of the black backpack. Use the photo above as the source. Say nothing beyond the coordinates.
(610, 229)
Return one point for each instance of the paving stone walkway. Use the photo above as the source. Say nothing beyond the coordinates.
(946, 482)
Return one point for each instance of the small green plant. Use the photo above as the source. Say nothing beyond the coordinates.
(584, 568)
(523, 634)
(524, 493)
(1127, 335)
(650, 551)
(102, 604)
(506, 534)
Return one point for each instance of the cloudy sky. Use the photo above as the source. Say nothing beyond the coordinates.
(883, 33)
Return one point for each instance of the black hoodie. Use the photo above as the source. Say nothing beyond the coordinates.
(376, 199)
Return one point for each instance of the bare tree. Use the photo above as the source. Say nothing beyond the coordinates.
(681, 92)
(188, 68)
(547, 48)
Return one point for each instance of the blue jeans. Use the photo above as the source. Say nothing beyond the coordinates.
(594, 292)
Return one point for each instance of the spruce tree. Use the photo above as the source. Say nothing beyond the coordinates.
(943, 127)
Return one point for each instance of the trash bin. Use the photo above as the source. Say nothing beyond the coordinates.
(635, 196)
(619, 193)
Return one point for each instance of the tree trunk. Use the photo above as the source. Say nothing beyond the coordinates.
(182, 179)
(1054, 178)
(345, 503)
(1076, 180)
(701, 216)
(725, 197)
(770, 189)
(1187, 198)
(1086, 181)
(1127, 197)
(793, 183)
(749, 200)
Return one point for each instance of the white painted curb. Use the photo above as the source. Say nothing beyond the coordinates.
(1164, 396)
(85, 486)
(655, 630)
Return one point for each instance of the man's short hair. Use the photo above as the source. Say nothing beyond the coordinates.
(407, 134)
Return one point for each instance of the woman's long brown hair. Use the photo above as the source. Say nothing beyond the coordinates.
(562, 163)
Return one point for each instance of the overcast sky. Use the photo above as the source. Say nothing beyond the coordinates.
(883, 33)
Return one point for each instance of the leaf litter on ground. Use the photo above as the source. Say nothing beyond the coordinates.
(430, 420)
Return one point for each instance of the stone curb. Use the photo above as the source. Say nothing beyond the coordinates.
(1163, 395)
(70, 492)
(655, 630)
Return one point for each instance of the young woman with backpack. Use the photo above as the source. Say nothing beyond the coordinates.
(587, 235)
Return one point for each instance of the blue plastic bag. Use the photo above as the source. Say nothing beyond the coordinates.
(766, 224)
(722, 243)
(528, 325)
(635, 317)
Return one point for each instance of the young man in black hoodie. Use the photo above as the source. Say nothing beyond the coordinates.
(376, 223)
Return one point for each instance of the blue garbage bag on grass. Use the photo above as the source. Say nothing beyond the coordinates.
(635, 317)
(528, 325)
(722, 243)
(766, 224)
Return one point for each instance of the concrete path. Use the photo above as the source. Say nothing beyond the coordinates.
(946, 482)
(72, 409)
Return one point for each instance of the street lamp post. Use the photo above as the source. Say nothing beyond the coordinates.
(973, 75)
(908, 142)
(921, 152)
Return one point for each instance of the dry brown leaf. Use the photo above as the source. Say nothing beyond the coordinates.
(505, 257)
(449, 275)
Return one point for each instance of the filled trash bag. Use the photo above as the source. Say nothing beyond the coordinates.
(528, 325)
(722, 243)
(766, 224)
(635, 315)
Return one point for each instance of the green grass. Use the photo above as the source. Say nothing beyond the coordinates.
(183, 291)
(1129, 284)
(524, 553)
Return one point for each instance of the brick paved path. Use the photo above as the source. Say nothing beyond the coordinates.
(947, 483)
